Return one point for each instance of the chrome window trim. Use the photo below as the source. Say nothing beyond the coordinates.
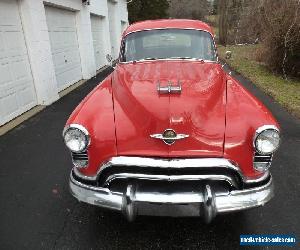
(170, 59)
(259, 131)
(81, 128)
(166, 59)
(145, 162)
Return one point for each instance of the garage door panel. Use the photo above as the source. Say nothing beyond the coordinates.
(21, 69)
(66, 60)
(64, 46)
(97, 28)
(10, 104)
(17, 92)
(71, 74)
(5, 74)
(8, 11)
(12, 44)
(2, 50)
(25, 96)
(62, 40)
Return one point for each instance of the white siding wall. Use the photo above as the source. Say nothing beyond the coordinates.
(117, 12)
(35, 27)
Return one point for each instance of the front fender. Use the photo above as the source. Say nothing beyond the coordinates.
(244, 114)
(96, 114)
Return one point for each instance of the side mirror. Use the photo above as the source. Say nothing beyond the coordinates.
(228, 54)
(109, 59)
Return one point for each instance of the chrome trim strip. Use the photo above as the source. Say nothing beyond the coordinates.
(158, 177)
(215, 202)
(166, 28)
(170, 59)
(145, 162)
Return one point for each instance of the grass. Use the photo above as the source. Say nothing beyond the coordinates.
(285, 92)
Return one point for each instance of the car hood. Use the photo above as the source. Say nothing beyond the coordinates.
(198, 111)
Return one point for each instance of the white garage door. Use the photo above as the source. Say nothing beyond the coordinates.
(113, 28)
(17, 92)
(124, 25)
(64, 46)
(98, 40)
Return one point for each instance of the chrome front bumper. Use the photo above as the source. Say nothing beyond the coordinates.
(205, 202)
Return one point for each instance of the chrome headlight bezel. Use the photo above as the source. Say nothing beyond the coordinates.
(82, 130)
(259, 132)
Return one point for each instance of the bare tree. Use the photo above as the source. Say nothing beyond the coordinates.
(223, 22)
(191, 9)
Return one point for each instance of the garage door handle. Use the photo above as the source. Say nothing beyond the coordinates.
(66, 60)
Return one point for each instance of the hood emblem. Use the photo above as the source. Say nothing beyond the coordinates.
(169, 88)
(169, 136)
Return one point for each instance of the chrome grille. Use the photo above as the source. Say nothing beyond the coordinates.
(81, 159)
(262, 158)
(262, 162)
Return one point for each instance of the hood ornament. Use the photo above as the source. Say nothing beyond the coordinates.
(169, 136)
(170, 88)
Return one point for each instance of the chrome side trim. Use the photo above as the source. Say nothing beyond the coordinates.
(144, 162)
(153, 177)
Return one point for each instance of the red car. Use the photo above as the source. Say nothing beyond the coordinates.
(169, 132)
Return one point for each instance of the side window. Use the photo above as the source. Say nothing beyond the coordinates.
(130, 50)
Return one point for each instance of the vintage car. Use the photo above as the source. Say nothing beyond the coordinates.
(169, 132)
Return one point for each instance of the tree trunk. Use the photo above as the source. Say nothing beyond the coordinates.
(223, 25)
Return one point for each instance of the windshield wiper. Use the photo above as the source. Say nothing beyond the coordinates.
(187, 57)
(181, 57)
(151, 58)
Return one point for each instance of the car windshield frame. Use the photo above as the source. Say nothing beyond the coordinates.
(124, 39)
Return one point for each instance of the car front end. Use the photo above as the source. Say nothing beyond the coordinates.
(169, 132)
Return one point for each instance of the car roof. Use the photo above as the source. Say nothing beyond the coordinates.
(168, 23)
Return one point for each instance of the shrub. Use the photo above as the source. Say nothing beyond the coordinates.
(280, 34)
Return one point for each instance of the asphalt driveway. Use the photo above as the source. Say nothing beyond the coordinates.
(38, 212)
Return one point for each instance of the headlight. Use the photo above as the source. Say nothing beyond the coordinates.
(266, 140)
(76, 138)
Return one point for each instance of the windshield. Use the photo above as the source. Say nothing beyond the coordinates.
(168, 44)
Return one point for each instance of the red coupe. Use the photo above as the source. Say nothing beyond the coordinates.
(169, 132)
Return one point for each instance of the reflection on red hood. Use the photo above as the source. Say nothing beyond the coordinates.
(199, 111)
